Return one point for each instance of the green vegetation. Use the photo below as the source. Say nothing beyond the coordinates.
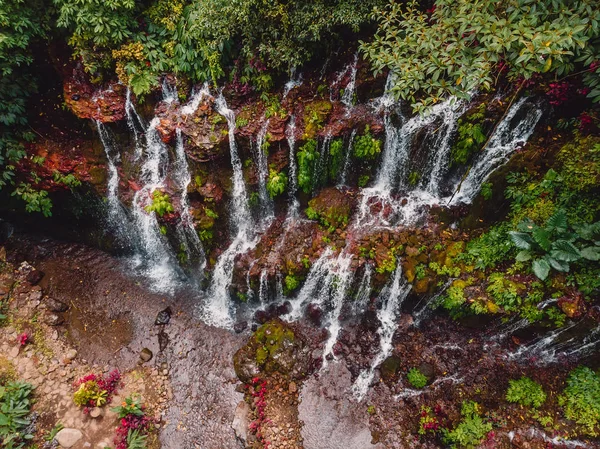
(525, 392)
(556, 245)
(90, 393)
(307, 160)
(290, 283)
(581, 400)
(336, 153)
(471, 137)
(276, 183)
(462, 46)
(15, 405)
(366, 146)
(471, 430)
(416, 378)
(161, 204)
(130, 406)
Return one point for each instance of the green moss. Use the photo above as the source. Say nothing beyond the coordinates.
(270, 339)
(315, 114)
(416, 378)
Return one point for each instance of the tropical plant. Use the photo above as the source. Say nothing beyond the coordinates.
(556, 245)
(366, 146)
(161, 204)
(471, 430)
(276, 183)
(130, 406)
(581, 399)
(15, 404)
(307, 159)
(335, 162)
(460, 46)
(526, 392)
(416, 378)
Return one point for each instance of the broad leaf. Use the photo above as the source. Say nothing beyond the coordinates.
(523, 256)
(542, 238)
(521, 240)
(591, 253)
(541, 268)
(558, 265)
(558, 221)
(565, 251)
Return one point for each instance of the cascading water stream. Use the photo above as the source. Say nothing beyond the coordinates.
(346, 165)
(262, 172)
(507, 137)
(348, 97)
(187, 232)
(197, 98)
(216, 310)
(391, 298)
(156, 259)
(293, 204)
(135, 123)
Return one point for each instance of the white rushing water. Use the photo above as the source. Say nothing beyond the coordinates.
(197, 98)
(216, 310)
(391, 298)
(135, 123)
(293, 204)
(262, 172)
(155, 259)
(348, 97)
(347, 157)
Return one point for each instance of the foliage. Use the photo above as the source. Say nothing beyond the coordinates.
(291, 283)
(526, 392)
(68, 180)
(52, 433)
(462, 46)
(90, 394)
(366, 146)
(416, 378)
(469, 140)
(35, 200)
(581, 399)
(136, 439)
(130, 406)
(336, 153)
(276, 183)
(471, 430)
(161, 204)
(556, 245)
(307, 159)
(15, 404)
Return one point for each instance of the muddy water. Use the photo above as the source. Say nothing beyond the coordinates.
(112, 318)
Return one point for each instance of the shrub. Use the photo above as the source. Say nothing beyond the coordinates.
(161, 204)
(276, 183)
(336, 151)
(291, 283)
(95, 390)
(416, 378)
(526, 392)
(307, 159)
(366, 146)
(471, 430)
(581, 399)
(15, 404)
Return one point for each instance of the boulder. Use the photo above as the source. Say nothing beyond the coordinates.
(240, 421)
(54, 305)
(163, 317)
(53, 319)
(68, 437)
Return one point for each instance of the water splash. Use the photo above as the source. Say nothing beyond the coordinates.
(364, 290)
(391, 297)
(169, 92)
(292, 83)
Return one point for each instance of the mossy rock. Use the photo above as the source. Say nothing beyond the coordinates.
(331, 208)
(273, 348)
(315, 114)
(389, 368)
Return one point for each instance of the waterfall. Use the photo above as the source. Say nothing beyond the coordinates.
(262, 172)
(195, 101)
(134, 122)
(364, 290)
(182, 179)
(169, 92)
(507, 137)
(391, 298)
(292, 83)
(156, 259)
(290, 135)
(263, 287)
(216, 310)
(348, 97)
(346, 166)
(320, 176)
(117, 215)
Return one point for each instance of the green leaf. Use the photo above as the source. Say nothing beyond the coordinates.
(541, 268)
(565, 251)
(542, 238)
(523, 256)
(521, 240)
(591, 253)
(557, 222)
(558, 265)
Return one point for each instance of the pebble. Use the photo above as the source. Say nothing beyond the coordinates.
(146, 355)
(96, 412)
